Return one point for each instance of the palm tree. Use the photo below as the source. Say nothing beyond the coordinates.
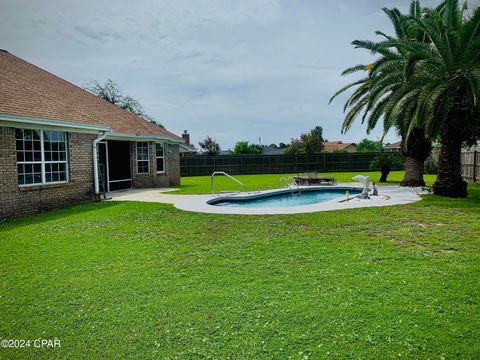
(378, 94)
(444, 78)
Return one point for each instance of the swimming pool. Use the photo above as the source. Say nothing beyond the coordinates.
(284, 198)
(207, 203)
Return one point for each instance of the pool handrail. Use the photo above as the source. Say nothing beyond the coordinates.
(287, 183)
(294, 183)
(227, 175)
(285, 180)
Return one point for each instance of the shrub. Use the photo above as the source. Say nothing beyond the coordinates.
(385, 163)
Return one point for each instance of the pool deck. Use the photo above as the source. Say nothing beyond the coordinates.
(160, 195)
(389, 196)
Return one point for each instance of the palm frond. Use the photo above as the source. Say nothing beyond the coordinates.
(354, 69)
(415, 9)
(396, 18)
(471, 31)
(451, 14)
(352, 114)
(381, 33)
(396, 113)
(376, 113)
(346, 87)
(356, 96)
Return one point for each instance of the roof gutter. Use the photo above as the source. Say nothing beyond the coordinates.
(15, 120)
(142, 137)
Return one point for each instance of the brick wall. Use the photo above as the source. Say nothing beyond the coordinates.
(16, 201)
(171, 177)
(173, 164)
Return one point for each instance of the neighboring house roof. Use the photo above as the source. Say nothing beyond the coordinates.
(268, 150)
(330, 146)
(184, 148)
(190, 148)
(28, 91)
(395, 145)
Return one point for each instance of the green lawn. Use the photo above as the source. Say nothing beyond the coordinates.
(145, 280)
(202, 184)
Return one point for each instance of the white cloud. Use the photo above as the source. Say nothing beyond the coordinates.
(235, 70)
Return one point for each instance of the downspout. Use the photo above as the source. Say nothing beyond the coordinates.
(95, 162)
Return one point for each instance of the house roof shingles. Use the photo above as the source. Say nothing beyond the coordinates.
(27, 90)
(329, 146)
(395, 145)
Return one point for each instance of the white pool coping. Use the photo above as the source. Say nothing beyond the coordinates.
(389, 195)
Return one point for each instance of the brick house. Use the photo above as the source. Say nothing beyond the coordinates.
(338, 146)
(395, 147)
(61, 145)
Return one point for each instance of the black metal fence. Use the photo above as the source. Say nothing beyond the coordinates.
(275, 164)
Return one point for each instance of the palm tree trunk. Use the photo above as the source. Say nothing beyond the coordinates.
(385, 170)
(414, 169)
(449, 181)
(416, 151)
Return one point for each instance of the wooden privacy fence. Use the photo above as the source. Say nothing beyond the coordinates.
(471, 166)
(275, 164)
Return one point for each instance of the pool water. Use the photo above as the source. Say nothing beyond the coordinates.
(284, 199)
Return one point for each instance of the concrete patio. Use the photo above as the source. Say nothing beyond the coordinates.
(160, 195)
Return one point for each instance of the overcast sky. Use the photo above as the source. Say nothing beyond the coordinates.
(234, 70)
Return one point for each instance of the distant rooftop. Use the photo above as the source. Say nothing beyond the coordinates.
(330, 146)
(395, 145)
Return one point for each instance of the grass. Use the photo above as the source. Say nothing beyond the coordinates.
(145, 280)
(202, 184)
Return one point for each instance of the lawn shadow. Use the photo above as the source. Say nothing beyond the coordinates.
(472, 201)
(182, 187)
(52, 215)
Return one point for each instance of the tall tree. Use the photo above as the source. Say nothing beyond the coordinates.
(307, 143)
(209, 146)
(447, 73)
(110, 92)
(441, 85)
(243, 147)
(378, 94)
(367, 145)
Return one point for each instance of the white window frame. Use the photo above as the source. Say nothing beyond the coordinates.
(160, 157)
(43, 162)
(148, 157)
